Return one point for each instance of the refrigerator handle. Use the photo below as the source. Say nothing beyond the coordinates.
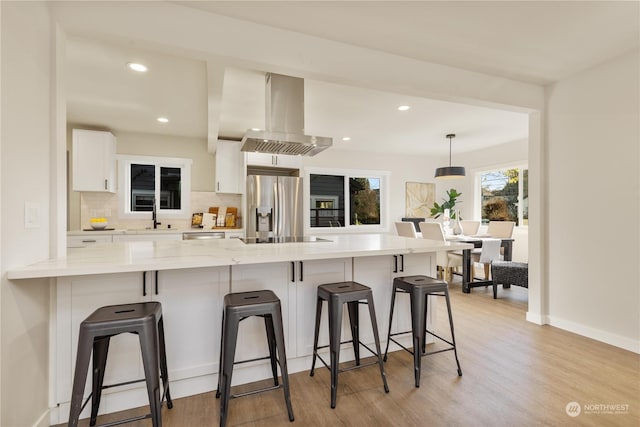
(280, 207)
(275, 215)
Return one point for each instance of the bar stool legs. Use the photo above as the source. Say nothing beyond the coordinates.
(419, 288)
(143, 319)
(237, 307)
(338, 294)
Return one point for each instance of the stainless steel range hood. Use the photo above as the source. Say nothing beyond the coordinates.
(284, 132)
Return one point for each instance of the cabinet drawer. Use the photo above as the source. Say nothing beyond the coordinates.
(83, 241)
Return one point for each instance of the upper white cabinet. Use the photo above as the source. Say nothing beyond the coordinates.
(229, 168)
(94, 161)
(274, 160)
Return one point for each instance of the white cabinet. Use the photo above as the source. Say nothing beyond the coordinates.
(252, 341)
(88, 240)
(295, 283)
(378, 273)
(146, 237)
(275, 160)
(233, 234)
(230, 176)
(192, 311)
(310, 274)
(94, 161)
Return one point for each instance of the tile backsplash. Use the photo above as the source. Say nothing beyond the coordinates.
(106, 205)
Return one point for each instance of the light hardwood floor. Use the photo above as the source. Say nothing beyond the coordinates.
(514, 374)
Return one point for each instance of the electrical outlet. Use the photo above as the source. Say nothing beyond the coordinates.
(31, 215)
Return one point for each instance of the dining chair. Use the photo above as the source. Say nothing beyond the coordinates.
(489, 252)
(469, 227)
(445, 260)
(497, 230)
(406, 229)
(501, 229)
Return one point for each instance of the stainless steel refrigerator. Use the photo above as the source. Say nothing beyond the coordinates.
(274, 209)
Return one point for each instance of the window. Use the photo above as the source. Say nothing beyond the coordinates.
(148, 181)
(346, 199)
(504, 195)
(364, 196)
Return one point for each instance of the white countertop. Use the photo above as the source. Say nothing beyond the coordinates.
(167, 255)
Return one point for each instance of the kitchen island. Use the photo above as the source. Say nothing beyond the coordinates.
(190, 279)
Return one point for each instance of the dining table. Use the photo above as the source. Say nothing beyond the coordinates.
(469, 282)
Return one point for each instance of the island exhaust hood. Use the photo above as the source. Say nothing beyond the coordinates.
(284, 121)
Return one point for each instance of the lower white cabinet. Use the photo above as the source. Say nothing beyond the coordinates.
(89, 240)
(146, 237)
(295, 283)
(192, 311)
(378, 273)
(310, 274)
(252, 341)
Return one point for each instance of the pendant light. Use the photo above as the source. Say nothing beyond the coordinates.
(449, 172)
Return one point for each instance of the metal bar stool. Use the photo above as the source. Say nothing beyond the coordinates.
(336, 294)
(419, 288)
(237, 307)
(143, 319)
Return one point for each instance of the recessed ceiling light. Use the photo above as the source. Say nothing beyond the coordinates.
(255, 129)
(141, 68)
(403, 108)
(346, 138)
(162, 120)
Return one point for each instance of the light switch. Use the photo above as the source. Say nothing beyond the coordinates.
(31, 215)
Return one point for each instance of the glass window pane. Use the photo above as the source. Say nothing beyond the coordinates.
(170, 194)
(327, 200)
(500, 195)
(143, 181)
(364, 201)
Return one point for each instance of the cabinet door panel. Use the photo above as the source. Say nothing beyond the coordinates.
(146, 237)
(316, 273)
(93, 160)
(192, 310)
(377, 273)
(229, 168)
(252, 338)
(413, 264)
(89, 293)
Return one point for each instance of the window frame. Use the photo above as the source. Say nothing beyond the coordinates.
(383, 176)
(477, 206)
(124, 186)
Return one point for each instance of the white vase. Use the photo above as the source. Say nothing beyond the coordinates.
(457, 227)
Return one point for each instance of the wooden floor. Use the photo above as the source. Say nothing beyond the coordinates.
(515, 374)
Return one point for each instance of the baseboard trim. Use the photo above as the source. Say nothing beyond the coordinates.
(537, 318)
(596, 334)
(43, 421)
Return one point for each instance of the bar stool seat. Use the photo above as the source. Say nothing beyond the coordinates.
(337, 294)
(143, 319)
(419, 287)
(237, 307)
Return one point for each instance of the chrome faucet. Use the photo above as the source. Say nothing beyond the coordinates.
(154, 215)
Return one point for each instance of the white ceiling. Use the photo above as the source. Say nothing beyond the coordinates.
(538, 42)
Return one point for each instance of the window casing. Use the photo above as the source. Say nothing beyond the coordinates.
(145, 180)
(346, 200)
(504, 195)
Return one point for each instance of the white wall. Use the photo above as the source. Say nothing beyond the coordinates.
(403, 168)
(25, 149)
(592, 200)
(202, 169)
